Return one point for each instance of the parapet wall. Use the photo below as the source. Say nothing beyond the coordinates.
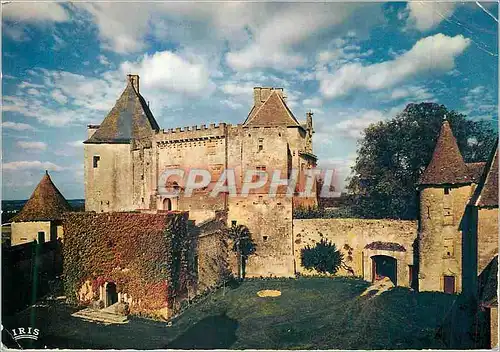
(352, 236)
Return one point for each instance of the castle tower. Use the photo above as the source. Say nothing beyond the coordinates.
(445, 188)
(40, 218)
(117, 155)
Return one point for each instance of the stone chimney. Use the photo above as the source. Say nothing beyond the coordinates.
(134, 79)
(260, 94)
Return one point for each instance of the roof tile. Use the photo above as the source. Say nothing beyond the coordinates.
(447, 165)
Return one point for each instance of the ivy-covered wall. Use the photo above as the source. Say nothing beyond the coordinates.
(145, 255)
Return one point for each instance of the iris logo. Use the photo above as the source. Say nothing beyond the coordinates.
(25, 333)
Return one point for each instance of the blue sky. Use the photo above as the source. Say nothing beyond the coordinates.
(64, 66)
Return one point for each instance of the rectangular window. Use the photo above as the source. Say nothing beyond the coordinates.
(261, 144)
(233, 222)
(447, 190)
(96, 160)
(41, 237)
(449, 284)
(264, 238)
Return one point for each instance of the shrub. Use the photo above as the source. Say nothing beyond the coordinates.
(324, 257)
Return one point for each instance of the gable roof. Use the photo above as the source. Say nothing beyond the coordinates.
(488, 284)
(447, 165)
(46, 203)
(272, 112)
(486, 194)
(129, 119)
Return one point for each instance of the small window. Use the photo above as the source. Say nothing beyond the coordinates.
(410, 275)
(96, 160)
(41, 237)
(264, 238)
(447, 190)
(261, 147)
(261, 144)
(428, 212)
(233, 222)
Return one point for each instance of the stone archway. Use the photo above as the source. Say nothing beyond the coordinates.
(384, 266)
(111, 294)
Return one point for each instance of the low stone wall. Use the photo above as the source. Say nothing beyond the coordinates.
(352, 236)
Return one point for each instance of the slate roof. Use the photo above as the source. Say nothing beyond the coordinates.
(387, 246)
(129, 119)
(272, 112)
(447, 165)
(46, 203)
(487, 192)
(488, 284)
(476, 170)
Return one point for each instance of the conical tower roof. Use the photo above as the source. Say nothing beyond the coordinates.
(46, 203)
(447, 165)
(129, 119)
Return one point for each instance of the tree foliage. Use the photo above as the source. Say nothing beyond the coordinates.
(324, 257)
(393, 154)
(243, 245)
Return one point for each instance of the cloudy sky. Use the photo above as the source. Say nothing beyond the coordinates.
(64, 65)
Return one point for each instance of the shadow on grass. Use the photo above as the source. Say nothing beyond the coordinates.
(214, 332)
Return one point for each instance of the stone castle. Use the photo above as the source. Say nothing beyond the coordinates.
(126, 155)
(446, 249)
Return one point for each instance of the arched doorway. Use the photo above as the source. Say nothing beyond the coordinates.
(111, 294)
(167, 204)
(384, 266)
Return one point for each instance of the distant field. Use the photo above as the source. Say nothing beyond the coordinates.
(311, 313)
(12, 207)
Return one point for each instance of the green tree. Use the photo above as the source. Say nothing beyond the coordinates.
(393, 154)
(324, 257)
(243, 246)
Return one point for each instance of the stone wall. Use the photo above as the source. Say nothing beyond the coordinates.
(487, 236)
(135, 251)
(351, 236)
(213, 256)
(25, 232)
(270, 223)
(440, 237)
(109, 186)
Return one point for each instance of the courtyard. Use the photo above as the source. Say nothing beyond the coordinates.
(310, 313)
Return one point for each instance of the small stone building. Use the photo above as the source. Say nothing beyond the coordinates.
(146, 260)
(40, 218)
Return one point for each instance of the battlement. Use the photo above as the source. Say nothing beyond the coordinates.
(190, 133)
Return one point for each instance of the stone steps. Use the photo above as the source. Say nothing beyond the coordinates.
(100, 316)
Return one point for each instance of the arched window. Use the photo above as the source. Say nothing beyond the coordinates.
(167, 204)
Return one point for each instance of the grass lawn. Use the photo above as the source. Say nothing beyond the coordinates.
(311, 313)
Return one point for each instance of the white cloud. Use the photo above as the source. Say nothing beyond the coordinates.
(231, 104)
(480, 104)
(103, 60)
(428, 15)
(35, 12)
(33, 91)
(32, 165)
(58, 96)
(17, 126)
(170, 71)
(433, 54)
(32, 145)
(313, 102)
(273, 42)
